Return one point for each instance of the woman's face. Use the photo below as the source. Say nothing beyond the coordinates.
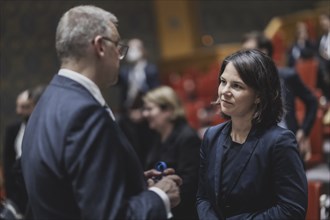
(156, 117)
(237, 99)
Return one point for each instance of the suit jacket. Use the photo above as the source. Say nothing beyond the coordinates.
(14, 185)
(181, 152)
(78, 165)
(9, 157)
(268, 182)
(295, 88)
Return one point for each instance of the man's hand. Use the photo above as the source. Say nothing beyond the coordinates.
(171, 186)
(152, 174)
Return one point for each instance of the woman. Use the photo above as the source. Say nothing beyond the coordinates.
(250, 167)
(176, 144)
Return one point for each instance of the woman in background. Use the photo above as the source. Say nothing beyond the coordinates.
(250, 167)
(176, 144)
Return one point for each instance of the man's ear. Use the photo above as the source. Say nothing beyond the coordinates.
(99, 47)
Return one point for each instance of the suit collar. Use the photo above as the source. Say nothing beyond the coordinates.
(221, 145)
(89, 85)
(85, 82)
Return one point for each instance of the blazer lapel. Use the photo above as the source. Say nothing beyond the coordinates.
(222, 142)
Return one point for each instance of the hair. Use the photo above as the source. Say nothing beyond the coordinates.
(325, 14)
(77, 28)
(263, 42)
(166, 98)
(259, 72)
(35, 93)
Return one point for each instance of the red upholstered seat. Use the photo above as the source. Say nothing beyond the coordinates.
(314, 193)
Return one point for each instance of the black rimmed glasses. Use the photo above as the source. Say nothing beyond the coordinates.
(121, 47)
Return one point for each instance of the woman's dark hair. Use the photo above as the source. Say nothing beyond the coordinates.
(259, 72)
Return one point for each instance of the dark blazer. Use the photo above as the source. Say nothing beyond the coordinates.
(181, 152)
(78, 165)
(295, 88)
(268, 182)
(9, 157)
(14, 185)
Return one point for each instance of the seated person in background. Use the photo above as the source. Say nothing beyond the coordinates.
(293, 88)
(250, 167)
(177, 144)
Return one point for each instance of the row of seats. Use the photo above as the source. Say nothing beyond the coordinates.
(308, 70)
(197, 90)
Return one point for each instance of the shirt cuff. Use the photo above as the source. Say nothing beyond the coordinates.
(165, 199)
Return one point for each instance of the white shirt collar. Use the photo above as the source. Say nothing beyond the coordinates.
(85, 82)
(88, 84)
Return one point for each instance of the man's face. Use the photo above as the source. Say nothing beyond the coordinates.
(112, 60)
(325, 23)
(135, 52)
(250, 44)
(24, 106)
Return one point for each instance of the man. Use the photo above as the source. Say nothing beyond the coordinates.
(293, 88)
(76, 162)
(14, 187)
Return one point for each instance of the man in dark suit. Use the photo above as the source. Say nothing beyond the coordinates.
(14, 185)
(13, 149)
(76, 162)
(293, 88)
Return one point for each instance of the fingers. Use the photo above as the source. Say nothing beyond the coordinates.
(151, 173)
(170, 185)
(176, 179)
(169, 171)
(150, 182)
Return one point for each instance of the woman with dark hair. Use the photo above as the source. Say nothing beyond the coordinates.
(249, 166)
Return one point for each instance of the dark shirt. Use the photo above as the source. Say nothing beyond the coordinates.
(228, 164)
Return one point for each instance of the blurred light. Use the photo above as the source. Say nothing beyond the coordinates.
(207, 40)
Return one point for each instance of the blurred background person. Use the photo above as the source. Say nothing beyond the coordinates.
(14, 187)
(137, 76)
(176, 144)
(136, 128)
(303, 47)
(250, 167)
(293, 88)
(324, 56)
